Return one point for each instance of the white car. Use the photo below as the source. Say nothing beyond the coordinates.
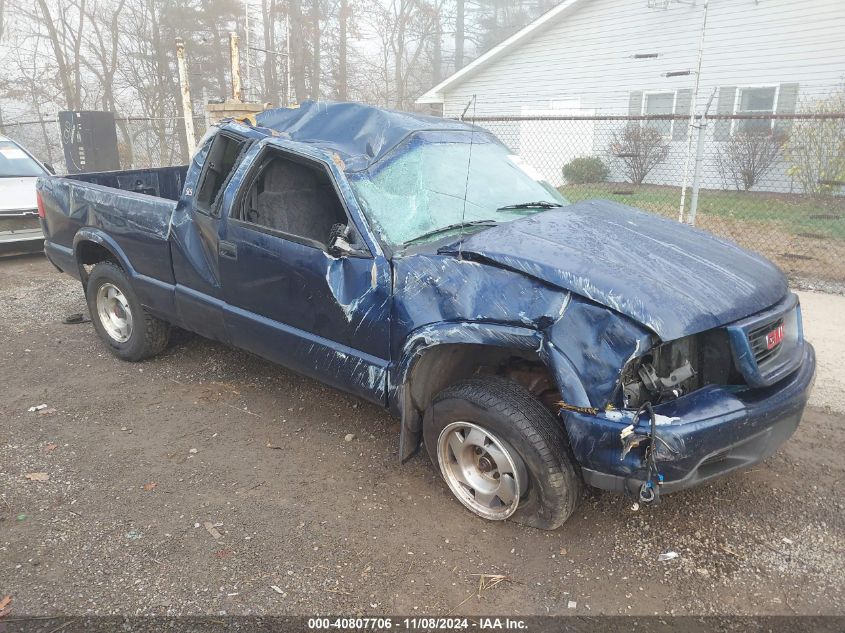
(20, 231)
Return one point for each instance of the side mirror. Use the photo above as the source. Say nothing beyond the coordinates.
(50, 169)
(339, 237)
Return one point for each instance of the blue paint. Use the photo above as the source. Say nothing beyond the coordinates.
(585, 288)
(674, 279)
(698, 426)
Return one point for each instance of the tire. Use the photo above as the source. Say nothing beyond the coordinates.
(143, 335)
(525, 431)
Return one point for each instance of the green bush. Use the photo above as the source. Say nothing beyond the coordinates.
(584, 170)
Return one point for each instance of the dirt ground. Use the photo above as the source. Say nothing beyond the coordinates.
(140, 457)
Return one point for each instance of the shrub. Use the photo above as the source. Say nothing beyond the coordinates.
(816, 147)
(747, 156)
(640, 149)
(585, 169)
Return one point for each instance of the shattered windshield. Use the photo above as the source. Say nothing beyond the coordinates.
(417, 193)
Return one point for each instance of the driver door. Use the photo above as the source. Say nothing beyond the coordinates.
(291, 298)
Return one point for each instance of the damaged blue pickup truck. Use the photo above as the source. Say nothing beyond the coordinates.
(533, 346)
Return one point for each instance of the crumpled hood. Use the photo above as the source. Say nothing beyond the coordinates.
(672, 278)
(17, 193)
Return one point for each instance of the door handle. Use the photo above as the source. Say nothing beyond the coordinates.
(227, 249)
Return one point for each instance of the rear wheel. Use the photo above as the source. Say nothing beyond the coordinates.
(130, 332)
(502, 453)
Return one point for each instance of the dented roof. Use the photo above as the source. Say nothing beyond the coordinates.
(359, 133)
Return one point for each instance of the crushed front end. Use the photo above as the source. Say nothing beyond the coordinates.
(689, 410)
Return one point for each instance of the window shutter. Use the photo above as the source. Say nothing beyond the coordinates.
(787, 104)
(635, 103)
(725, 105)
(683, 101)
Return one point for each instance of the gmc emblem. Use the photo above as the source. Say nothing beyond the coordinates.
(774, 338)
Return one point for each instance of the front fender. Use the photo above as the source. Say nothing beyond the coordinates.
(588, 347)
(426, 338)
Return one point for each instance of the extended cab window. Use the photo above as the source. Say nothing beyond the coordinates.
(293, 197)
(221, 160)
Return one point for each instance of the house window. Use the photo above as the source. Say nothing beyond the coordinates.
(762, 100)
(659, 103)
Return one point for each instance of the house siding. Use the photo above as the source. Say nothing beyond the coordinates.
(588, 54)
(585, 60)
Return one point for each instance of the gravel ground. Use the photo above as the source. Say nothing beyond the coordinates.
(140, 457)
(820, 313)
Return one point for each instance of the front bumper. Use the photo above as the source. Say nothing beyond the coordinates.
(713, 431)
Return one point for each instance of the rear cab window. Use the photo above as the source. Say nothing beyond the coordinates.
(223, 156)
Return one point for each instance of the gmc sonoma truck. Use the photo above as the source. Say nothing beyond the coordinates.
(532, 345)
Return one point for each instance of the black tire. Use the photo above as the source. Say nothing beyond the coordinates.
(509, 411)
(148, 336)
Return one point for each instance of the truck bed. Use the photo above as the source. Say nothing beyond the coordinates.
(160, 182)
(131, 208)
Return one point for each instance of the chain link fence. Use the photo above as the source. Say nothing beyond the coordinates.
(142, 141)
(773, 184)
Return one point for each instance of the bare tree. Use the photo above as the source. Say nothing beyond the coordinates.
(153, 82)
(269, 11)
(118, 55)
(28, 85)
(316, 55)
(65, 35)
(747, 156)
(101, 58)
(640, 148)
(342, 51)
(460, 21)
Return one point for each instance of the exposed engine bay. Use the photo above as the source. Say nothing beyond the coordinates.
(673, 369)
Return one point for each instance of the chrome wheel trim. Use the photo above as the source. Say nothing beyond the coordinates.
(114, 312)
(481, 470)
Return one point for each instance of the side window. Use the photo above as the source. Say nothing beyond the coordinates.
(756, 101)
(293, 197)
(219, 163)
(660, 103)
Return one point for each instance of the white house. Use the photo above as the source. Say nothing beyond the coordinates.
(610, 57)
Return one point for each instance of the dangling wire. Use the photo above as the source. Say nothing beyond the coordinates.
(650, 489)
(466, 182)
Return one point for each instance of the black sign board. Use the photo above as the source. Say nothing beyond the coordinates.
(89, 140)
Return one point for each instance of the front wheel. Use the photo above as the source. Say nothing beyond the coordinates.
(502, 453)
(119, 319)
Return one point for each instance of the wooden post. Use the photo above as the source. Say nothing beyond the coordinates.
(236, 66)
(185, 91)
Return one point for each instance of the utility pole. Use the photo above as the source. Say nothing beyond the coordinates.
(692, 114)
(699, 159)
(234, 58)
(185, 91)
